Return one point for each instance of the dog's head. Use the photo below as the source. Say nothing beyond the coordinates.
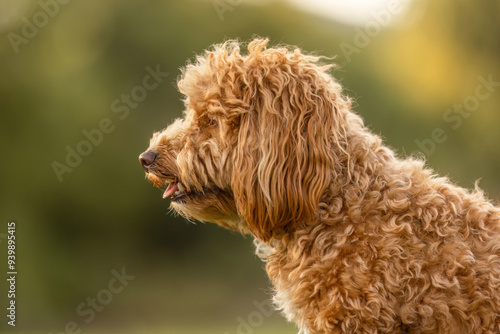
(258, 143)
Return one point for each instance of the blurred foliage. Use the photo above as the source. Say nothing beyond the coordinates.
(105, 216)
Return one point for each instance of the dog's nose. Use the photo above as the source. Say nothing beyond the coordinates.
(147, 158)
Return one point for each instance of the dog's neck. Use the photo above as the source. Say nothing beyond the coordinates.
(366, 170)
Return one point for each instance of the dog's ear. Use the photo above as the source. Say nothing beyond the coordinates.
(284, 157)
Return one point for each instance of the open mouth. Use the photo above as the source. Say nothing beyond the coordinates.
(176, 190)
(179, 194)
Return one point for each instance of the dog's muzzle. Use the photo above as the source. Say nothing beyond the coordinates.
(147, 158)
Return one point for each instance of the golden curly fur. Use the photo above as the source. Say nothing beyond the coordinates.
(355, 239)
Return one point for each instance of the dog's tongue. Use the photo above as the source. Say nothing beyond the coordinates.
(171, 189)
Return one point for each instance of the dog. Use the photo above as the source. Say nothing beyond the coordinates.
(355, 239)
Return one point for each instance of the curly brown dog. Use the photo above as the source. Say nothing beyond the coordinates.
(355, 239)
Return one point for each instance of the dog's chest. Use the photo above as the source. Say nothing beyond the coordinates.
(283, 299)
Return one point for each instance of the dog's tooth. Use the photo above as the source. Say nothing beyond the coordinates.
(177, 192)
(181, 188)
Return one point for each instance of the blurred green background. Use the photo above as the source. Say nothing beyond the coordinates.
(65, 66)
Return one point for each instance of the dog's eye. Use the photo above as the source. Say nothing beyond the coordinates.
(212, 122)
(208, 121)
